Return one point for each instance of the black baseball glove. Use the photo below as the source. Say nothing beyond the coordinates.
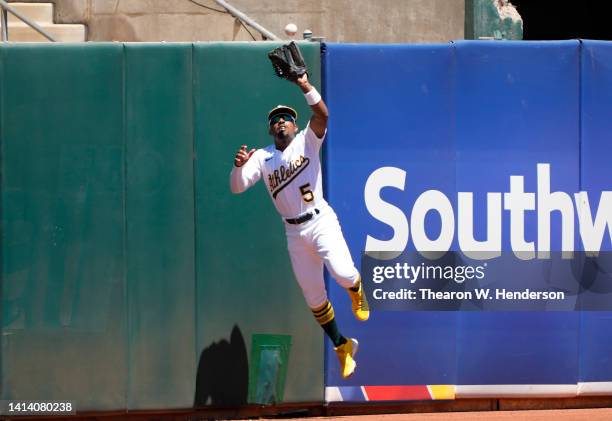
(288, 62)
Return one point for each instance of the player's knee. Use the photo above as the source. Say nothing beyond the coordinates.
(315, 299)
(346, 276)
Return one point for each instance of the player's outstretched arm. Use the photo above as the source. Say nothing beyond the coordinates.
(318, 121)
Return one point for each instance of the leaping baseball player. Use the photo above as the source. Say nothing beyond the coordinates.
(291, 170)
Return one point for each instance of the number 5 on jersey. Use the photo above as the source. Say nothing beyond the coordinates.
(307, 194)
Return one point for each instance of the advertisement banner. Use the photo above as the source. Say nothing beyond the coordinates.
(466, 158)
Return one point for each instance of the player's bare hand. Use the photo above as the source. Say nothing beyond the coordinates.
(242, 156)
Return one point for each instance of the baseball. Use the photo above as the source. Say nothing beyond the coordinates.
(291, 29)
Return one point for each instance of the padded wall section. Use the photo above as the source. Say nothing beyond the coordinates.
(160, 225)
(105, 149)
(517, 105)
(64, 305)
(596, 148)
(245, 284)
(397, 111)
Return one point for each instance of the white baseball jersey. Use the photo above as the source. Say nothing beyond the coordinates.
(293, 180)
(292, 176)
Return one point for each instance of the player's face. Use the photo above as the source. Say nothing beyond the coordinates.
(283, 126)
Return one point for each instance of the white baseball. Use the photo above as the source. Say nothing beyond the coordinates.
(291, 29)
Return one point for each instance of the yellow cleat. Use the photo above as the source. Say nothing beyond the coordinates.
(360, 307)
(345, 353)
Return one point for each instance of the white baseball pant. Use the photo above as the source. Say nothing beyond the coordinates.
(314, 243)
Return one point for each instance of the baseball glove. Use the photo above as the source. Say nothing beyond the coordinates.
(287, 61)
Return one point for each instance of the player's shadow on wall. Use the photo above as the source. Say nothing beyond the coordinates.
(223, 373)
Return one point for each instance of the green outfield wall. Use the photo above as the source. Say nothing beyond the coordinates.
(132, 278)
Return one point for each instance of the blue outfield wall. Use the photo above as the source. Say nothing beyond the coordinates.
(383, 115)
(596, 126)
(465, 117)
(517, 105)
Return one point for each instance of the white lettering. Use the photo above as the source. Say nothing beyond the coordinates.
(386, 212)
(491, 247)
(482, 294)
(592, 232)
(517, 202)
(547, 203)
(427, 201)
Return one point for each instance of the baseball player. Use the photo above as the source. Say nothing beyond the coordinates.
(291, 169)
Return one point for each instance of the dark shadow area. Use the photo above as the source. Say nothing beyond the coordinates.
(223, 373)
(555, 20)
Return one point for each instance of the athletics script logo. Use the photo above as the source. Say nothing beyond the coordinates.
(282, 176)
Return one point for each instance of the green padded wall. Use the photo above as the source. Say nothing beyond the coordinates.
(244, 273)
(131, 277)
(160, 225)
(64, 308)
